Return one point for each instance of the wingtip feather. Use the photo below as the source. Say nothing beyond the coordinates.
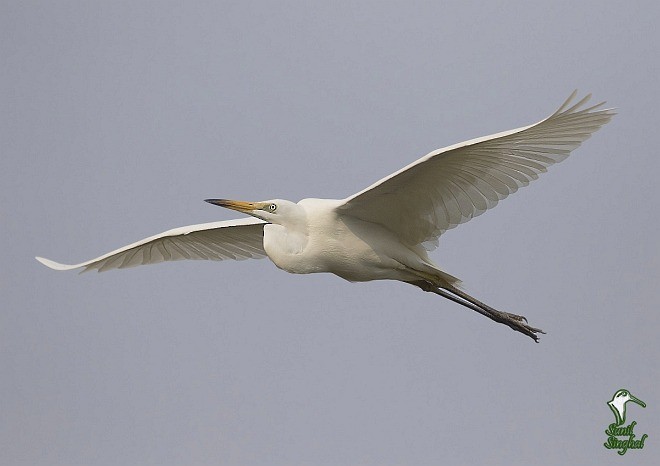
(55, 265)
(566, 102)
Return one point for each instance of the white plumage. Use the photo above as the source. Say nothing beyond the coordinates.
(454, 184)
(383, 231)
(233, 239)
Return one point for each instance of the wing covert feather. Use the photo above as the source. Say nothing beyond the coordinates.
(230, 239)
(452, 185)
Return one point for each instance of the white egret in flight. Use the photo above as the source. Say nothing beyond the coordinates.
(384, 231)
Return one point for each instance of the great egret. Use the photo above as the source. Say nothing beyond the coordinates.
(384, 231)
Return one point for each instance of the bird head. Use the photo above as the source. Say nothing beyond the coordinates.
(618, 404)
(272, 211)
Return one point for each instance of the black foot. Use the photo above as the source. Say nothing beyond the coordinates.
(515, 322)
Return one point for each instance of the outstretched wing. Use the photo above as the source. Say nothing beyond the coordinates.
(455, 184)
(231, 239)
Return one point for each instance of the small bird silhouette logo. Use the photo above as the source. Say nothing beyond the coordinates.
(618, 404)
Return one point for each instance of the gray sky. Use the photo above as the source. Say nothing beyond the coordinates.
(119, 118)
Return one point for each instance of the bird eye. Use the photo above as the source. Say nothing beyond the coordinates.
(272, 207)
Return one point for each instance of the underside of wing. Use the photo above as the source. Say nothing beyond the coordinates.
(452, 185)
(226, 240)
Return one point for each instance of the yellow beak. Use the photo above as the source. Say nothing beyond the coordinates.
(241, 206)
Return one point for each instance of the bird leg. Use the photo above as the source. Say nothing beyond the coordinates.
(514, 321)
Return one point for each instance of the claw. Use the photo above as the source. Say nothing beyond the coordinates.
(514, 321)
(518, 323)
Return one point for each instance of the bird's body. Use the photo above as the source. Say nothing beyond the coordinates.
(325, 240)
(384, 231)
